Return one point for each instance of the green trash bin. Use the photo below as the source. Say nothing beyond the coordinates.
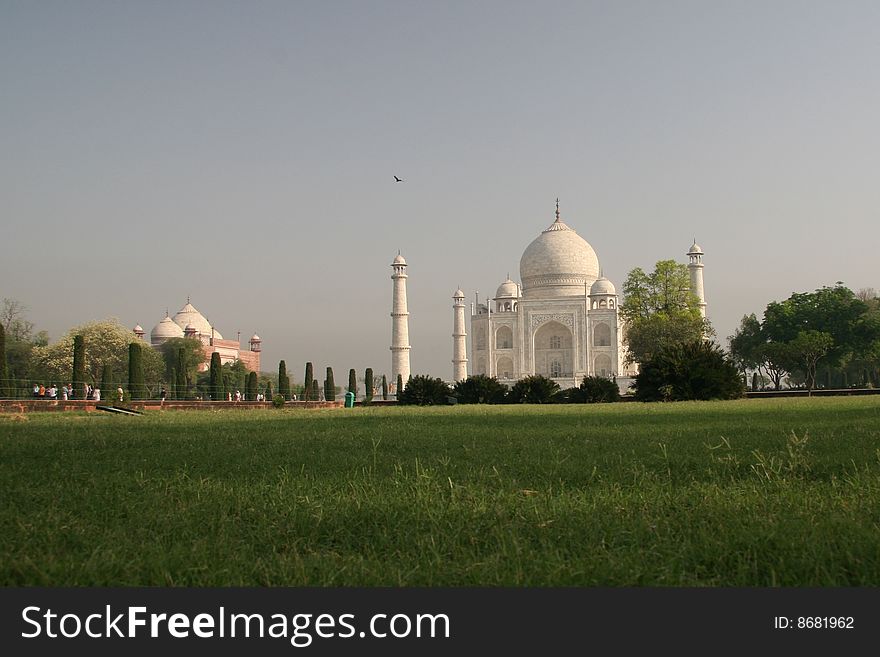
(349, 400)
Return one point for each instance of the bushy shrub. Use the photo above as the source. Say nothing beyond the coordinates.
(594, 390)
(278, 401)
(535, 389)
(698, 370)
(422, 390)
(479, 389)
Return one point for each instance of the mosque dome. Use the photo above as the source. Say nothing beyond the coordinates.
(458, 294)
(165, 330)
(398, 260)
(557, 263)
(602, 286)
(695, 249)
(188, 315)
(507, 290)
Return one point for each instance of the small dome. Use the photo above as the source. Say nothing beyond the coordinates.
(190, 329)
(507, 290)
(399, 260)
(695, 249)
(602, 286)
(458, 294)
(256, 338)
(138, 329)
(165, 330)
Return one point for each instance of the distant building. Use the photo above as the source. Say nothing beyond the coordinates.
(190, 323)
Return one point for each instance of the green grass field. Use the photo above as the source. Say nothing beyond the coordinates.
(745, 493)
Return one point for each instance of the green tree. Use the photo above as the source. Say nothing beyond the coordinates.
(251, 388)
(269, 391)
(807, 348)
(368, 385)
(660, 310)
(106, 386)
(479, 389)
(746, 344)
(4, 370)
(535, 389)
(21, 341)
(315, 394)
(136, 386)
(188, 366)
(699, 370)
(182, 380)
(307, 381)
(399, 389)
(329, 386)
(595, 390)
(384, 388)
(423, 390)
(283, 381)
(78, 368)
(216, 378)
(352, 383)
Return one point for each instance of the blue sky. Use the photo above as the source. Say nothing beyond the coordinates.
(242, 153)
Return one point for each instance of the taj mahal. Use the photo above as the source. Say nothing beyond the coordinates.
(562, 321)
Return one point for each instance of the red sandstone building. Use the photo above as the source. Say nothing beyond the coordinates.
(190, 323)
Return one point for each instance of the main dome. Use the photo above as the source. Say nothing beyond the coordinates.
(188, 315)
(558, 263)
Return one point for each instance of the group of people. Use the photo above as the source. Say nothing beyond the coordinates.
(65, 392)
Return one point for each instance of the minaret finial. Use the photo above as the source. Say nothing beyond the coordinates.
(187, 298)
(557, 208)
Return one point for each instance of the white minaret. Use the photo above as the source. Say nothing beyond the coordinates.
(459, 335)
(399, 322)
(696, 269)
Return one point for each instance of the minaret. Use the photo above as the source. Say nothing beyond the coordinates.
(459, 335)
(399, 322)
(696, 269)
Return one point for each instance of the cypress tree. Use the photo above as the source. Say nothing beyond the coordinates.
(79, 366)
(399, 386)
(307, 382)
(173, 392)
(283, 381)
(384, 388)
(316, 391)
(136, 386)
(4, 371)
(106, 381)
(250, 390)
(754, 381)
(329, 386)
(368, 385)
(352, 383)
(268, 391)
(216, 378)
(180, 382)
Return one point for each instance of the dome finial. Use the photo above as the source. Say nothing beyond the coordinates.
(557, 208)
(187, 298)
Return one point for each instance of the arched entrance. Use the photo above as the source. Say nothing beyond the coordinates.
(554, 351)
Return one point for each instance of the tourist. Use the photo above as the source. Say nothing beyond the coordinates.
(96, 393)
(238, 395)
(36, 390)
(64, 392)
(163, 394)
(42, 391)
(120, 394)
(53, 392)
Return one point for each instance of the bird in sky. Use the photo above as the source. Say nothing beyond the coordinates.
(396, 179)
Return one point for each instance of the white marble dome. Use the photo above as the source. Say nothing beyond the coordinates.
(695, 249)
(188, 315)
(458, 294)
(398, 260)
(507, 290)
(558, 263)
(165, 330)
(602, 286)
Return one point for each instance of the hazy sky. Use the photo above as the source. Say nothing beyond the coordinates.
(242, 153)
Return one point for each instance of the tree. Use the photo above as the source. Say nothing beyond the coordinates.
(746, 342)
(250, 390)
(535, 389)
(423, 390)
(181, 378)
(136, 387)
(20, 340)
(399, 389)
(216, 380)
(315, 394)
(329, 386)
(595, 390)
(307, 382)
(4, 371)
(368, 385)
(699, 370)
(660, 310)
(186, 364)
(352, 383)
(106, 386)
(268, 391)
(806, 350)
(384, 388)
(78, 368)
(479, 389)
(283, 381)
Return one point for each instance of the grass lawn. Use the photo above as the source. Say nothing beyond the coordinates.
(744, 493)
